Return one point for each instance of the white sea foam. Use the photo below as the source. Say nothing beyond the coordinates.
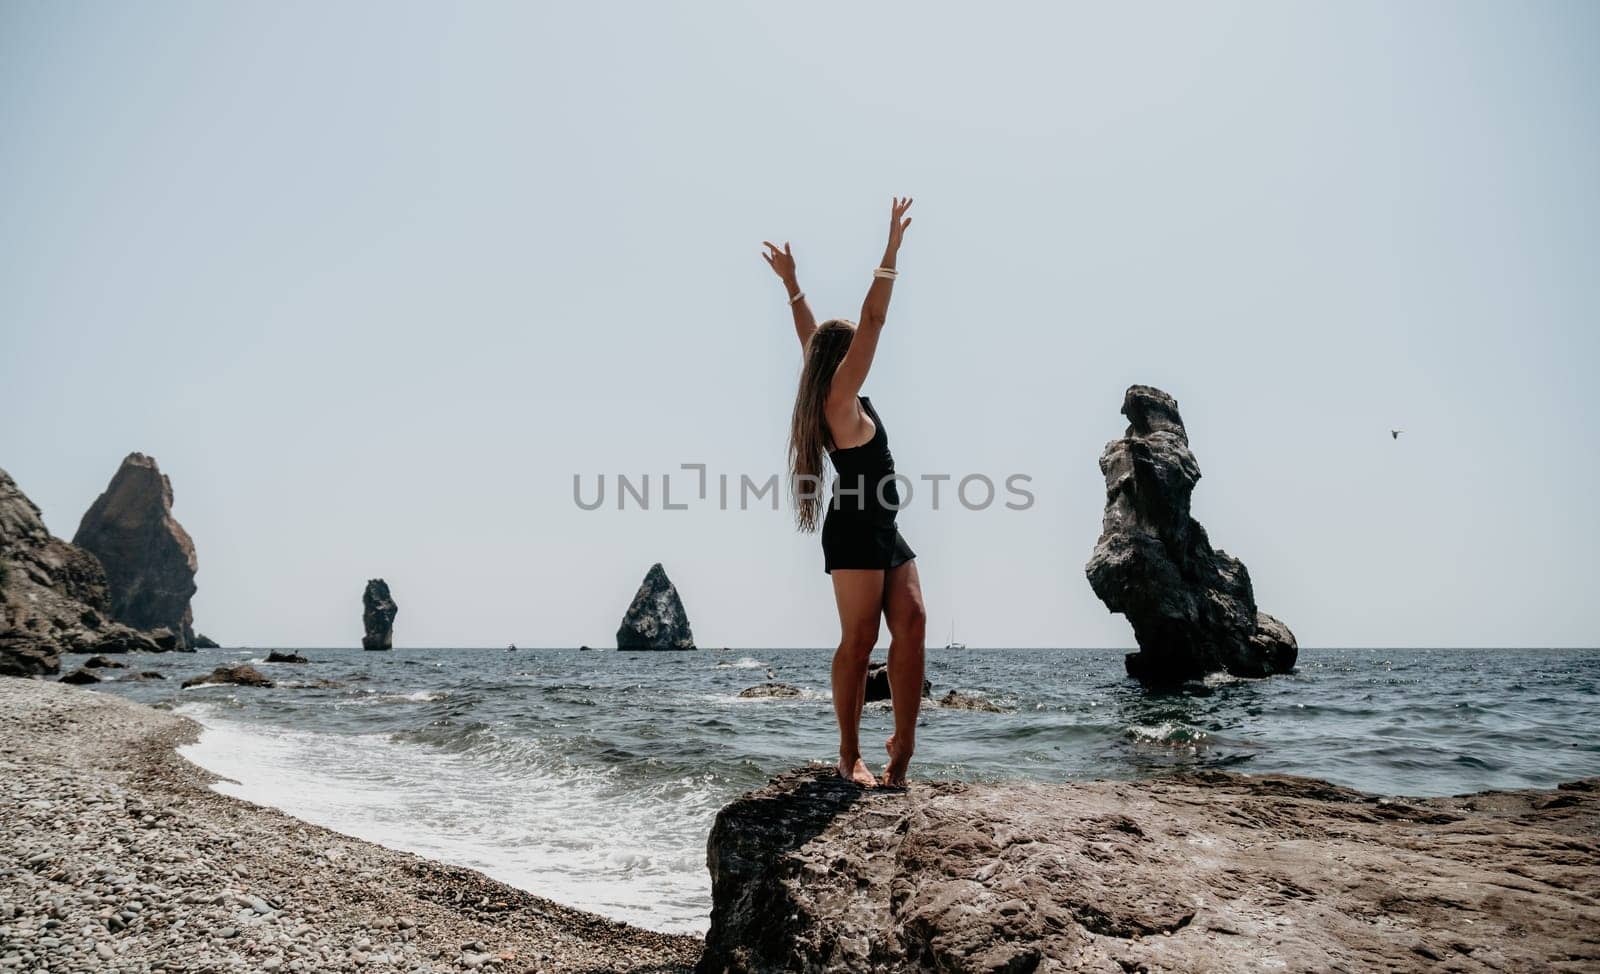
(742, 663)
(628, 850)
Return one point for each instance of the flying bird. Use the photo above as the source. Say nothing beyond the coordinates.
(1395, 434)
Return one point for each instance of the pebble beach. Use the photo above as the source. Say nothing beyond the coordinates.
(118, 856)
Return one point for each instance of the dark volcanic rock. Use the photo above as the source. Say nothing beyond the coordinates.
(1192, 607)
(117, 638)
(277, 657)
(655, 619)
(143, 675)
(53, 595)
(202, 641)
(242, 674)
(878, 683)
(377, 615)
(1204, 872)
(770, 690)
(148, 557)
(101, 663)
(80, 675)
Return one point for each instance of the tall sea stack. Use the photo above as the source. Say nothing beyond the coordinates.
(655, 619)
(148, 558)
(1192, 607)
(377, 615)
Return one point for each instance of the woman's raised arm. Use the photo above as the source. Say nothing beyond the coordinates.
(782, 263)
(851, 374)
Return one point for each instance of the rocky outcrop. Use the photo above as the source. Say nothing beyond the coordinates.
(242, 674)
(148, 557)
(53, 596)
(102, 663)
(1204, 872)
(1192, 607)
(956, 700)
(878, 683)
(202, 641)
(761, 690)
(81, 675)
(655, 619)
(277, 657)
(377, 615)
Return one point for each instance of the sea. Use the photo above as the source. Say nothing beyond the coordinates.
(592, 777)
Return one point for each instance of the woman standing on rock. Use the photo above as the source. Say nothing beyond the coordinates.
(874, 570)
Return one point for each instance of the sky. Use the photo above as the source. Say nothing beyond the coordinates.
(374, 282)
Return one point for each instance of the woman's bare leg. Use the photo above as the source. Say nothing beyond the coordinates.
(908, 623)
(859, 594)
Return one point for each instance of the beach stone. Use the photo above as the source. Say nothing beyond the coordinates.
(148, 557)
(242, 674)
(878, 683)
(377, 615)
(1192, 607)
(1207, 871)
(655, 618)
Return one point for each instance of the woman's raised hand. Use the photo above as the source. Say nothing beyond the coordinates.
(898, 221)
(781, 261)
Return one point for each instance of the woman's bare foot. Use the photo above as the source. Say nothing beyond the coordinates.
(894, 776)
(857, 772)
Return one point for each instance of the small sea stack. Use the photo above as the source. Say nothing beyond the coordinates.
(1192, 607)
(377, 615)
(655, 618)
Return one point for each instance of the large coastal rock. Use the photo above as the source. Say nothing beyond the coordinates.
(53, 595)
(239, 674)
(1192, 607)
(377, 615)
(878, 683)
(655, 619)
(149, 560)
(1205, 872)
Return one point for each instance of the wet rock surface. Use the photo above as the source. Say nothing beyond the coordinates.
(378, 610)
(1192, 607)
(770, 690)
(283, 657)
(1203, 872)
(956, 700)
(655, 618)
(240, 674)
(148, 557)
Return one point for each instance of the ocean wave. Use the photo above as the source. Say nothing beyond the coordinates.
(371, 697)
(1168, 734)
(742, 663)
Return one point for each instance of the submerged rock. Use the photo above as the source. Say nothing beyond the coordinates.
(277, 657)
(771, 690)
(100, 662)
(1192, 607)
(149, 559)
(956, 700)
(813, 873)
(142, 675)
(878, 683)
(242, 674)
(377, 615)
(80, 675)
(655, 619)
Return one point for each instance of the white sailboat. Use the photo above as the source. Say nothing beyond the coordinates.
(952, 644)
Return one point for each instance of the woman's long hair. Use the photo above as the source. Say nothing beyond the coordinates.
(809, 438)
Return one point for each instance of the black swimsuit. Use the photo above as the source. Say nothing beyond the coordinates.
(859, 530)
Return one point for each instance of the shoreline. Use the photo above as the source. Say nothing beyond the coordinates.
(120, 856)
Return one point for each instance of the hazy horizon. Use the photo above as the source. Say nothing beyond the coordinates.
(372, 283)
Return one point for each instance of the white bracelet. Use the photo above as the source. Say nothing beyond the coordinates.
(799, 295)
(887, 273)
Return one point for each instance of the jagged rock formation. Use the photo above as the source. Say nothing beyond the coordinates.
(377, 615)
(878, 683)
(1192, 607)
(241, 674)
(202, 641)
(53, 596)
(1204, 872)
(655, 619)
(149, 560)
